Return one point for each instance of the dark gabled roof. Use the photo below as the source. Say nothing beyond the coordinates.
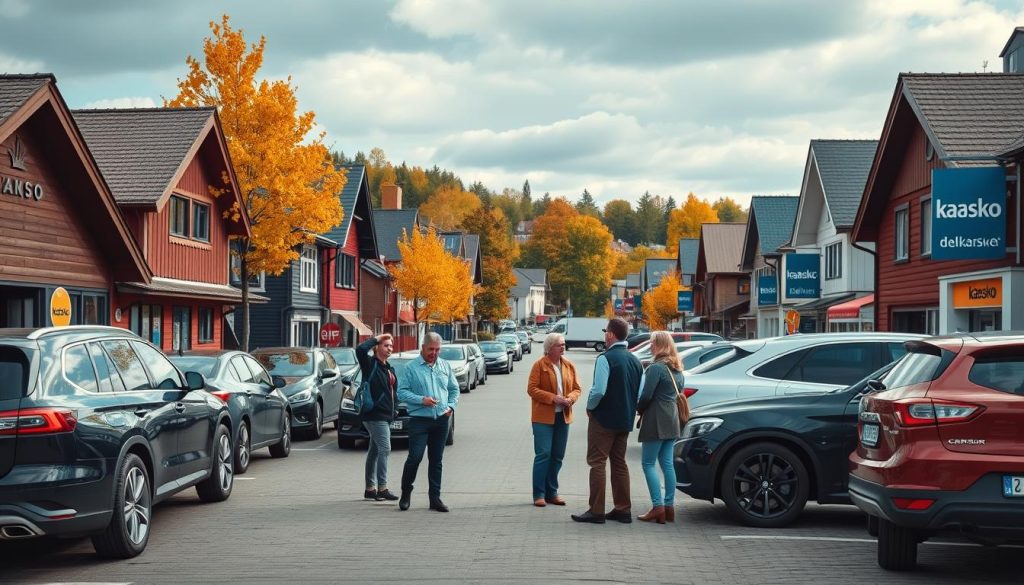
(774, 216)
(16, 89)
(526, 278)
(389, 224)
(355, 202)
(472, 244)
(687, 258)
(654, 270)
(721, 247)
(843, 166)
(453, 243)
(140, 151)
(1009, 41)
(375, 268)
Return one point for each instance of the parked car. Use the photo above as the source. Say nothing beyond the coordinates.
(941, 446)
(497, 357)
(641, 341)
(524, 339)
(260, 414)
(585, 332)
(646, 355)
(795, 364)
(96, 427)
(351, 427)
(696, 356)
(345, 357)
(313, 388)
(463, 365)
(512, 341)
(478, 357)
(765, 457)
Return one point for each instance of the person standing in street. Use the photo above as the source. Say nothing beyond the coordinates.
(611, 407)
(553, 388)
(659, 425)
(431, 390)
(382, 384)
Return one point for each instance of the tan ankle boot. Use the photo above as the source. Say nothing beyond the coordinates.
(657, 514)
(670, 513)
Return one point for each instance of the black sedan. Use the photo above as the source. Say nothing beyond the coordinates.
(260, 414)
(765, 457)
(497, 357)
(313, 385)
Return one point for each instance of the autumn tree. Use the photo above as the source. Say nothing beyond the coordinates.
(285, 177)
(620, 219)
(448, 207)
(545, 246)
(510, 203)
(498, 253)
(729, 211)
(634, 261)
(587, 206)
(584, 267)
(436, 282)
(685, 222)
(541, 205)
(660, 304)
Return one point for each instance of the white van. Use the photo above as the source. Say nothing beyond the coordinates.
(582, 331)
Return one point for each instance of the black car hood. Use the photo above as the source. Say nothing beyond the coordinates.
(794, 401)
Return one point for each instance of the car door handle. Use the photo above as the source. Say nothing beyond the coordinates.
(179, 408)
(141, 412)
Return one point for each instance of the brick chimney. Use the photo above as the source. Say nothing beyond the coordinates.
(390, 197)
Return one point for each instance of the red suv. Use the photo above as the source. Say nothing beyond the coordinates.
(941, 446)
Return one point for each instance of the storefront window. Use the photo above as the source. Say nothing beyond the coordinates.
(205, 325)
(181, 335)
(924, 321)
(145, 322)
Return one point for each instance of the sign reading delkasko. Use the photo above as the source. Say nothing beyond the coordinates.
(969, 213)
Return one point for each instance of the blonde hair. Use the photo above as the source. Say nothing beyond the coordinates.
(664, 350)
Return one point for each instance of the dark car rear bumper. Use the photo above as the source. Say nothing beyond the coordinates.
(74, 505)
(351, 427)
(695, 473)
(980, 509)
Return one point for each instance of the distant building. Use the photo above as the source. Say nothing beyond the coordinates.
(526, 299)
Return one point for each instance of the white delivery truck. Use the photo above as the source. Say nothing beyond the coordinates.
(582, 331)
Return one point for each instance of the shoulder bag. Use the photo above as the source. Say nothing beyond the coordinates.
(364, 399)
(682, 404)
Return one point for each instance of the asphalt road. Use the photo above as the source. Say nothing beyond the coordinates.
(303, 519)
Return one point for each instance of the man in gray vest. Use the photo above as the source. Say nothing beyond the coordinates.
(611, 407)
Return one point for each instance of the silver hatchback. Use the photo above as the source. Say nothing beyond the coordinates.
(796, 364)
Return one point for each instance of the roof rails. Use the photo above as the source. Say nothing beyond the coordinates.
(43, 331)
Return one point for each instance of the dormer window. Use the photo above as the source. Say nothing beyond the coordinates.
(179, 216)
(189, 219)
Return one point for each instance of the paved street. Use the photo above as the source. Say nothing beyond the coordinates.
(303, 519)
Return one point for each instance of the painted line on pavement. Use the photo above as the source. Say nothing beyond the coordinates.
(837, 539)
(243, 478)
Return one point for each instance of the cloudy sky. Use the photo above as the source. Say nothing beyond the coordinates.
(717, 98)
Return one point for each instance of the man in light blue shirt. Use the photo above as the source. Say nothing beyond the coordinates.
(429, 388)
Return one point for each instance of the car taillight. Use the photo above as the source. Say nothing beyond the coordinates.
(913, 503)
(688, 392)
(223, 395)
(917, 412)
(37, 421)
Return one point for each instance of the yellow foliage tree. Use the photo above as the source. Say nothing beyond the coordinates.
(585, 265)
(437, 283)
(635, 259)
(685, 222)
(283, 175)
(449, 206)
(660, 304)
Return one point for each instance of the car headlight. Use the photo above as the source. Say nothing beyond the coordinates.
(347, 404)
(697, 427)
(300, 396)
(461, 370)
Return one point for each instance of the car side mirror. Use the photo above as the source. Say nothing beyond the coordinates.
(346, 379)
(279, 382)
(329, 375)
(876, 386)
(194, 381)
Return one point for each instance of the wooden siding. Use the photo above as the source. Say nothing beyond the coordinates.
(373, 300)
(126, 301)
(914, 283)
(345, 299)
(48, 241)
(266, 319)
(301, 299)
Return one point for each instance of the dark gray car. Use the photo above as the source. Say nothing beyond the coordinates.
(314, 384)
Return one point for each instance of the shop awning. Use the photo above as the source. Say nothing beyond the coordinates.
(353, 319)
(406, 315)
(818, 304)
(850, 309)
(171, 287)
(740, 305)
(693, 320)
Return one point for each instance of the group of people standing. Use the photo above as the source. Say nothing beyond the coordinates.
(620, 391)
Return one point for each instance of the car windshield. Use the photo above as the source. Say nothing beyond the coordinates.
(288, 364)
(736, 351)
(509, 338)
(522, 334)
(452, 353)
(492, 346)
(205, 365)
(345, 356)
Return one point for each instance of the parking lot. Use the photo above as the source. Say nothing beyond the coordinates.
(303, 519)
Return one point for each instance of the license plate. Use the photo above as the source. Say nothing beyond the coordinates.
(396, 426)
(1013, 486)
(869, 435)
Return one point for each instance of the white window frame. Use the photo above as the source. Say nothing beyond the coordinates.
(297, 323)
(901, 233)
(926, 225)
(309, 278)
(834, 261)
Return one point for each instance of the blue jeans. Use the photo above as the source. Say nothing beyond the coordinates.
(377, 455)
(549, 450)
(428, 435)
(652, 454)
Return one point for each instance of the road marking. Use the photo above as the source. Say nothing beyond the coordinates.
(243, 478)
(87, 583)
(837, 539)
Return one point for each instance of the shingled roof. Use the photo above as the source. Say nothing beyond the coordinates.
(16, 89)
(656, 269)
(687, 258)
(769, 226)
(843, 166)
(526, 278)
(389, 224)
(140, 151)
(355, 201)
(721, 247)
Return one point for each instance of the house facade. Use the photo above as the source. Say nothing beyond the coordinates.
(391, 221)
(527, 298)
(722, 290)
(769, 226)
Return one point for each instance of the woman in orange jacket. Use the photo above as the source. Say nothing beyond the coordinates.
(554, 388)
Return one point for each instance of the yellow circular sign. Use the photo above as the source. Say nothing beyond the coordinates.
(792, 322)
(60, 307)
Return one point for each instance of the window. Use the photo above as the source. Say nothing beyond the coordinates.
(205, 325)
(834, 261)
(926, 227)
(181, 338)
(200, 222)
(145, 322)
(308, 270)
(260, 376)
(345, 271)
(242, 371)
(839, 364)
(924, 321)
(915, 368)
(687, 280)
(14, 368)
(743, 287)
(165, 376)
(93, 309)
(1004, 373)
(127, 364)
(78, 368)
(256, 281)
(902, 234)
(304, 333)
(109, 379)
(179, 216)
(780, 367)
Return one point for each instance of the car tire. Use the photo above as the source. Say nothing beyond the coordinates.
(509, 370)
(873, 525)
(127, 535)
(317, 430)
(450, 440)
(484, 380)
(243, 448)
(759, 476)
(218, 486)
(283, 448)
(599, 347)
(346, 442)
(897, 546)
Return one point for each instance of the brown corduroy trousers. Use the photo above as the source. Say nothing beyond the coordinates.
(604, 445)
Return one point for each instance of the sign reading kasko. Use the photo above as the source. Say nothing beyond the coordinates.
(968, 213)
(767, 291)
(684, 301)
(330, 335)
(803, 276)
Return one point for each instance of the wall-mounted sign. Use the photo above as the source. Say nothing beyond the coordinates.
(60, 307)
(684, 301)
(17, 187)
(628, 305)
(618, 305)
(978, 294)
(767, 291)
(968, 213)
(803, 276)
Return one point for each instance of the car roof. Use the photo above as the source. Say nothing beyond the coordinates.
(283, 349)
(78, 331)
(210, 353)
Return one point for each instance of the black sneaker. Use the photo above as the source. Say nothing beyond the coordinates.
(370, 495)
(386, 495)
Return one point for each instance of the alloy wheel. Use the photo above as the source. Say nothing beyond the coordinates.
(286, 440)
(227, 469)
(766, 485)
(243, 446)
(136, 506)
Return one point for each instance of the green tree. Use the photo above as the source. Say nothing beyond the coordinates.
(541, 205)
(650, 219)
(587, 206)
(526, 202)
(584, 268)
(509, 203)
(729, 211)
(621, 220)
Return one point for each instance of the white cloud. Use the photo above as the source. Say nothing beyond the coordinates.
(122, 102)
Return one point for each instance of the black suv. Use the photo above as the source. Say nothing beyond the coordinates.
(96, 426)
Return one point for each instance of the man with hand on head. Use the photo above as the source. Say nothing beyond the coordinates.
(429, 388)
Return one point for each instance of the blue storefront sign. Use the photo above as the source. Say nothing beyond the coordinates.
(767, 291)
(618, 304)
(803, 276)
(684, 301)
(968, 213)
